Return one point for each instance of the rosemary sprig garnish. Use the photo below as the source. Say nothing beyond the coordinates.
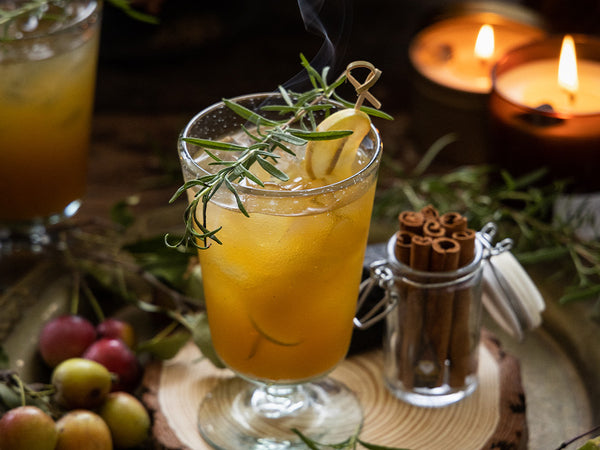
(296, 128)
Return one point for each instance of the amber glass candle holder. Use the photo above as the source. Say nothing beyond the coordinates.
(450, 86)
(527, 137)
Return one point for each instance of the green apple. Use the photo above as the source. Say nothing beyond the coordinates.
(27, 428)
(81, 383)
(127, 419)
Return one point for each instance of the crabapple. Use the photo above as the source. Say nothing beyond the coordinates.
(83, 429)
(27, 428)
(119, 329)
(127, 419)
(65, 337)
(118, 359)
(81, 383)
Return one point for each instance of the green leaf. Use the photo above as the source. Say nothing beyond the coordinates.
(310, 444)
(378, 447)
(238, 200)
(286, 97)
(250, 115)
(580, 293)
(215, 145)
(121, 214)
(164, 263)
(198, 325)
(251, 176)
(289, 138)
(272, 170)
(165, 347)
(592, 444)
(542, 255)
(321, 135)
(125, 6)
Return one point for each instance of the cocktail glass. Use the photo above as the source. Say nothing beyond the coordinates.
(48, 60)
(281, 294)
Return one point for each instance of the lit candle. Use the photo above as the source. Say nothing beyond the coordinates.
(545, 109)
(567, 85)
(459, 52)
(451, 60)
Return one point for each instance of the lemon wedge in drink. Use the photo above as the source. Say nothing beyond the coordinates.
(334, 158)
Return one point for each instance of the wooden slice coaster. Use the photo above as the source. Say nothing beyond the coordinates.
(492, 417)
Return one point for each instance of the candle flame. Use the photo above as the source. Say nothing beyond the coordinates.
(567, 66)
(484, 46)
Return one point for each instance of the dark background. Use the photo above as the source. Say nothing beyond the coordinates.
(205, 50)
(152, 79)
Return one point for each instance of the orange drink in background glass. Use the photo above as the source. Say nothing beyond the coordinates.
(47, 83)
(281, 290)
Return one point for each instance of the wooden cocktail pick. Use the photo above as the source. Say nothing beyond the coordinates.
(362, 89)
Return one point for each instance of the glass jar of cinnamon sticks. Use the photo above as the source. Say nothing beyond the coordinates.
(433, 282)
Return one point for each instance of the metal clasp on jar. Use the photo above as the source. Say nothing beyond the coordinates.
(380, 275)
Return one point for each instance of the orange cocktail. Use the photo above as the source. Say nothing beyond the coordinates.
(281, 290)
(47, 81)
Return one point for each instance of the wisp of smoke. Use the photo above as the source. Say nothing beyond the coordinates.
(330, 19)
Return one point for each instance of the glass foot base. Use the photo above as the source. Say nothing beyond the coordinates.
(32, 236)
(32, 240)
(238, 414)
(435, 397)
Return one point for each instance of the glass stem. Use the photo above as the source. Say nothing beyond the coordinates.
(274, 401)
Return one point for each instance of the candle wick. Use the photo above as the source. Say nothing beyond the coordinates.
(571, 96)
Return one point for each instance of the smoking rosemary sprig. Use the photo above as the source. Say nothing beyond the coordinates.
(296, 128)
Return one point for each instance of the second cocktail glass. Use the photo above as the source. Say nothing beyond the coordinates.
(48, 60)
(281, 294)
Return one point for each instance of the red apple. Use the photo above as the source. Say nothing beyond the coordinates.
(118, 329)
(118, 359)
(65, 337)
(27, 428)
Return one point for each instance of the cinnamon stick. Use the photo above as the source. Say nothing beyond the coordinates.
(413, 313)
(434, 229)
(411, 221)
(462, 355)
(445, 253)
(466, 239)
(434, 345)
(430, 213)
(453, 222)
(402, 248)
(420, 255)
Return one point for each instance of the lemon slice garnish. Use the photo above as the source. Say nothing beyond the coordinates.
(335, 157)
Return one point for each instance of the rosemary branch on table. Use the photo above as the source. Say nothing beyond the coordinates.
(523, 209)
(296, 127)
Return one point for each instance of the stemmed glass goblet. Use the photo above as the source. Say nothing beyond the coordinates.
(281, 293)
